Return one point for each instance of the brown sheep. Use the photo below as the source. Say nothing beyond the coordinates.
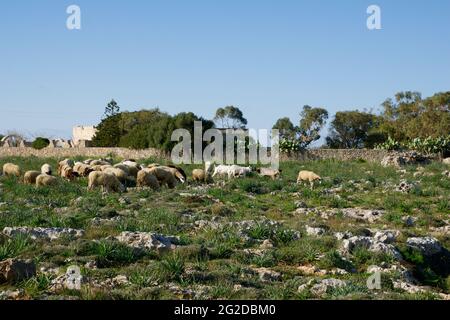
(65, 162)
(123, 167)
(66, 172)
(308, 176)
(145, 178)
(107, 181)
(198, 175)
(45, 180)
(82, 169)
(30, 177)
(10, 169)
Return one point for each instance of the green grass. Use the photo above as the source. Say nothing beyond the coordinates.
(216, 259)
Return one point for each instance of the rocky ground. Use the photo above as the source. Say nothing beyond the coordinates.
(250, 238)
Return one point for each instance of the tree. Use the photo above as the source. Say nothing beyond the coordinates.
(311, 123)
(352, 129)
(40, 143)
(286, 128)
(230, 118)
(408, 116)
(108, 132)
(111, 109)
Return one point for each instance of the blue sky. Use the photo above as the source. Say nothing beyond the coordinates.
(267, 57)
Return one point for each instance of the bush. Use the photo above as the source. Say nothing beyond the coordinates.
(40, 143)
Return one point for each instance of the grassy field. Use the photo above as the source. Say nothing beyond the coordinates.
(271, 255)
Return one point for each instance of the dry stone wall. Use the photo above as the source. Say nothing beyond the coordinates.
(314, 154)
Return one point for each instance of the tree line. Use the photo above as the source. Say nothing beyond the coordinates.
(403, 118)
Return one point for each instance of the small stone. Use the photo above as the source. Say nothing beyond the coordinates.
(326, 284)
(267, 244)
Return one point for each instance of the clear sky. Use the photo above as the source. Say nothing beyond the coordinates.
(267, 57)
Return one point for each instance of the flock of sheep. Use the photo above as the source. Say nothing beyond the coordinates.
(115, 177)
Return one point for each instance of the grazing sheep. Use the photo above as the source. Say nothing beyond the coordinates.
(46, 169)
(145, 178)
(178, 172)
(269, 172)
(67, 173)
(119, 173)
(107, 181)
(98, 167)
(198, 175)
(65, 162)
(30, 177)
(240, 171)
(122, 167)
(99, 162)
(82, 169)
(308, 176)
(10, 169)
(231, 171)
(46, 180)
(133, 167)
(165, 175)
(222, 170)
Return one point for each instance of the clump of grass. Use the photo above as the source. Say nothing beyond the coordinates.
(110, 253)
(13, 247)
(172, 267)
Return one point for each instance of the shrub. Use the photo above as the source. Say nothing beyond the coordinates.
(40, 143)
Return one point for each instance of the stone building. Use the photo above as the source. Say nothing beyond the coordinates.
(83, 134)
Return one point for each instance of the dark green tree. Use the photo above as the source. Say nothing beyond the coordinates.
(286, 128)
(352, 129)
(111, 109)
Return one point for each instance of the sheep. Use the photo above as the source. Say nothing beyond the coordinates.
(165, 175)
(99, 162)
(198, 175)
(308, 176)
(67, 173)
(46, 169)
(107, 181)
(221, 170)
(269, 172)
(178, 172)
(122, 167)
(145, 178)
(45, 180)
(30, 177)
(99, 167)
(65, 162)
(10, 169)
(238, 171)
(133, 167)
(119, 173)
(231, 171)
(82, 169)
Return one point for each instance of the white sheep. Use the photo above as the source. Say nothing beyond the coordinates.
(46, 169)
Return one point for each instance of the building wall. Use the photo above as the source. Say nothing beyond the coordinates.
(83, 133)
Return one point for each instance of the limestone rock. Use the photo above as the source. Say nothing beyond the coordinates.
(427, 245)
(148, 240)
(43, 233)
